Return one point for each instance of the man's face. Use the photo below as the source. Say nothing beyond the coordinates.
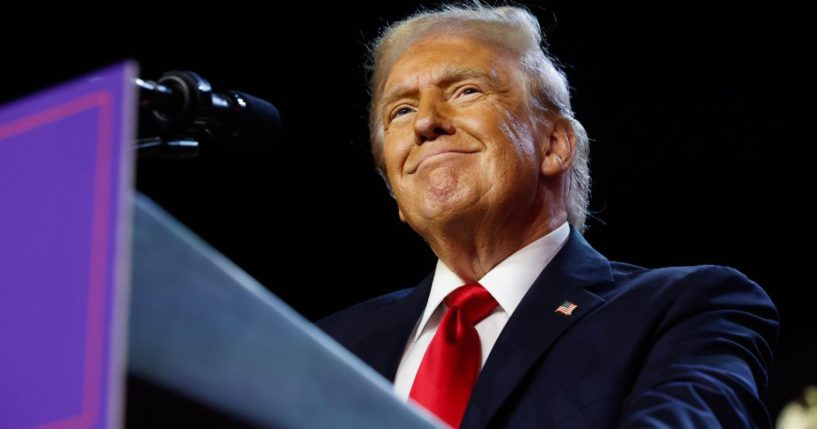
(458, 141)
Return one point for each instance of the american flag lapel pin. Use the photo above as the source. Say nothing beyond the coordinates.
(566, 308)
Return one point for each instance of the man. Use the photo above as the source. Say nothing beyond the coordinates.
(523, 324)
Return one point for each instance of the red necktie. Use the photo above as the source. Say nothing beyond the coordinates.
(453, 359)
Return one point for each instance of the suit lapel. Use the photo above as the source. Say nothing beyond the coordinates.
(535, 325)
(391, 326)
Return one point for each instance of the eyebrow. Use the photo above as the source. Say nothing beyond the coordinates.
(448, 76)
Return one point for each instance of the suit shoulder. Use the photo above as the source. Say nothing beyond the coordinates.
(358, 314)
(693, 286)
(719, 281)
(692, 289)
(695, 276)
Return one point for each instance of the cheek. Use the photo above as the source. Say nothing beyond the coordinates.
(391, 158)
(396, 147)
(394, 170)
(512, 159)
(391, 151)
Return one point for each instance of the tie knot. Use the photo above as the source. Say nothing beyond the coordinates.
(473, 300)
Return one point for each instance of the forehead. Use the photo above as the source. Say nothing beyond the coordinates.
(438, 57)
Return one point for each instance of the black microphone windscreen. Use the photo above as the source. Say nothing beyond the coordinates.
(259, 117)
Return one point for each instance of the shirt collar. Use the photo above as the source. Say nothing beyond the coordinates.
(507, 282)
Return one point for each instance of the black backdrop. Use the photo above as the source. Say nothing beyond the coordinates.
(697, 156)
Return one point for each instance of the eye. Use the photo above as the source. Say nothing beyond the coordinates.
(468, 90)
(400, 112)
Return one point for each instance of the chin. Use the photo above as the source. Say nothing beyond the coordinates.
(443, 195)
(455, 206)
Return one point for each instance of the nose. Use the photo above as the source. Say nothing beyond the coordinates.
(433, 118)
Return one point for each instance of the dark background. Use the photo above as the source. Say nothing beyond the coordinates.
(697, 155)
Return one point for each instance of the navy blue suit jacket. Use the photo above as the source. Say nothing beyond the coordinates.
(671, 347)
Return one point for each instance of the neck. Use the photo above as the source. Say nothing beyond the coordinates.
(472, 248)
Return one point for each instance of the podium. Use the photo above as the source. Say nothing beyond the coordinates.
(202, 327)
(96, 281)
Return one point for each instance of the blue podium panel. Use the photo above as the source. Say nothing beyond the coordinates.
(202, 327)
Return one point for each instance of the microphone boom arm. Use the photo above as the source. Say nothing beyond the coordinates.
(187, 109)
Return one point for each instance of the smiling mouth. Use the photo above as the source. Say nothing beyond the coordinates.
(437, 156)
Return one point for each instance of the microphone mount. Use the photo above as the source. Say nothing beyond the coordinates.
(187, 111)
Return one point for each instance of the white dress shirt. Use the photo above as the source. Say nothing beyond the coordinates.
(507, 283)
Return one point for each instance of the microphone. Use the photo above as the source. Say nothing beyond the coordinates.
(184, 104)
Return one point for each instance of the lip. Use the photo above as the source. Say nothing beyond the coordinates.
(435, 153)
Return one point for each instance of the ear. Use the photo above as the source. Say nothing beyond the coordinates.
(559, 147)
(400, 213)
